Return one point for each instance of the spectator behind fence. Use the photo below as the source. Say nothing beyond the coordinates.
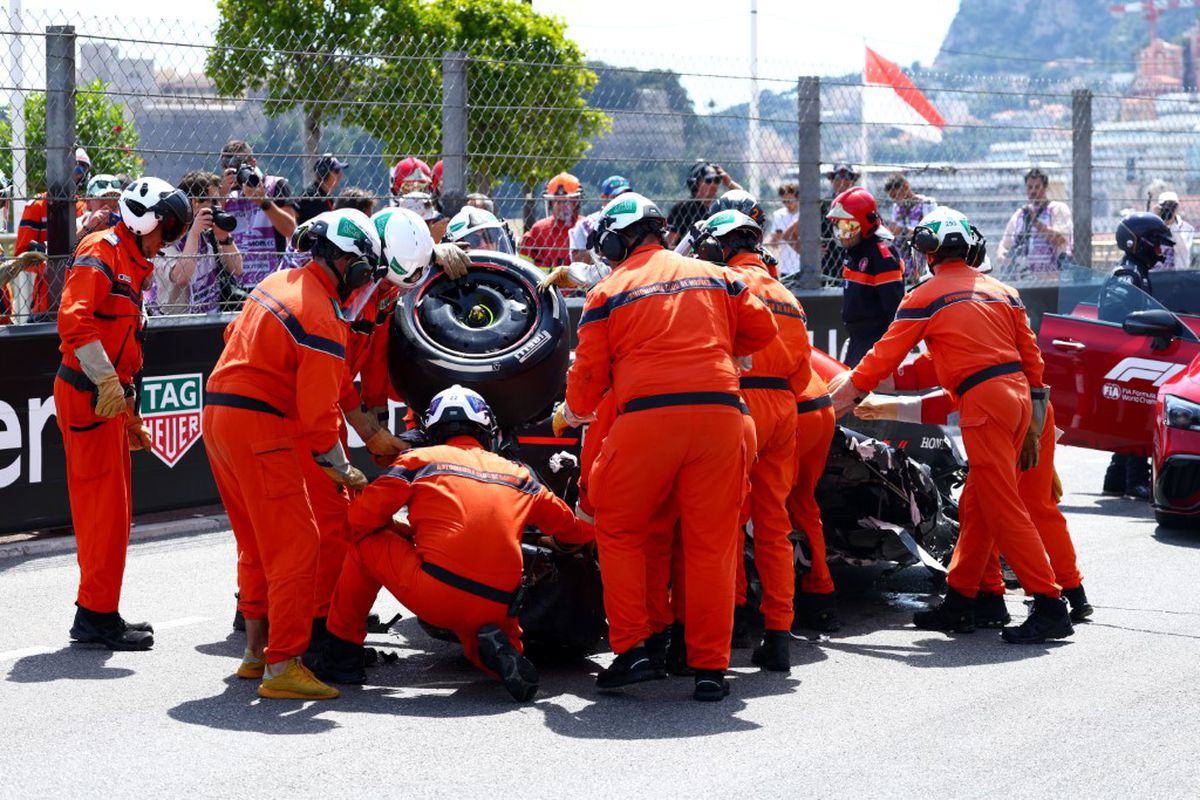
(841, 178)
(1038, 236)
(187, 273)
(263, 207)
(908, 209)
(1178, 255)
(100, 200)
(704, 180)
(610, 187)
(425, 206)
(31, 235)
(481, 200)
(784, 230)
(547, 243)
(410, 174)
(354, 197)
(318, 196)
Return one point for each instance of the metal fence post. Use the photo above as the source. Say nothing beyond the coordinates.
(60, 154)
(454, 131)
(808, 182)
(1081, 174)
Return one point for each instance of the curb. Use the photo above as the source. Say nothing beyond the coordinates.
(57, 544)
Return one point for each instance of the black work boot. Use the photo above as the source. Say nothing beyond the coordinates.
(955, 614)
(1137, 478)
(1081, 609)
(516, 672)
(337, 661)
(1047, 620)
(239, 622)
(817, 612)
(318, 636)
(775, 652)
(990, 611)
(1114, 476)
(109, 630)
(711, 686)
(632, 666)
(740, 639)
(656, 648)
(677, 652)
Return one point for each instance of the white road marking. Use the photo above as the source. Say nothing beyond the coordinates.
(178, 623)
(12, 655)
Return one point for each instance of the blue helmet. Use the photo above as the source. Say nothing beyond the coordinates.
(614, 185)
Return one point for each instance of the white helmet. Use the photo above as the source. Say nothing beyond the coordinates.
(479, 230)
(726, 222)
(407, 245)
(459, 411)
(148, 202)
(346, 229)
(942, 229)
(622, 212)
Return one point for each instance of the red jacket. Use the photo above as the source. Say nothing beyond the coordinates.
(663, 323)
(548, 243)
(102, 300)
(467, 508)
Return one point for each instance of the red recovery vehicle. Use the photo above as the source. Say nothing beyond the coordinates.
(1131, 385)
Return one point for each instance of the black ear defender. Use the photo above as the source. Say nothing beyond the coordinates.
(925, 240)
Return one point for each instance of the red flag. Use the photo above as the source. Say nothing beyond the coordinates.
(889, 98)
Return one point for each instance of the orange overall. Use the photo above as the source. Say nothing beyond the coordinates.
(1036, 486)
(660, 332)
(101, 301)
(467, 508)
(767, 388)
(271, 403)
(984, 352)
(815, 424)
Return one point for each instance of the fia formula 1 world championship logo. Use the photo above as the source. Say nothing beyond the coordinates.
(170, 407)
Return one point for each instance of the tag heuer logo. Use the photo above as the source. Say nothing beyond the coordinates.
(170, 407)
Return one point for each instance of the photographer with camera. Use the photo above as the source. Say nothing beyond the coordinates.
(263, 207)
(318, 197)
(1178, 255)
(1039, 235)
(187, 272)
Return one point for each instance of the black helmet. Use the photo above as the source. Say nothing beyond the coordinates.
(739, 200)
(1141, 237)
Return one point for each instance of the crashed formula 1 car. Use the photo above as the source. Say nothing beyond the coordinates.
(885, 495)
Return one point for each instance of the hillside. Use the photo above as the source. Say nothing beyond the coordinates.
(1063, 38)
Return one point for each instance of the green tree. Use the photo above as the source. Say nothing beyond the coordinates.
(306, 53)
(101, 128)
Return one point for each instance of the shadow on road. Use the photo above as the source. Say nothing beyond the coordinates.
(1177, 537)
(1111, 507)
(239, 708)
(951, 652)
(72, 663)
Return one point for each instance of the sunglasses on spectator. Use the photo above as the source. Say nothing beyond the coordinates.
(113, 184)
(712, 179)
(82, 170)
(787, 194)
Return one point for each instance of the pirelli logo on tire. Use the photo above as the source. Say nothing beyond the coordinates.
(170, 406)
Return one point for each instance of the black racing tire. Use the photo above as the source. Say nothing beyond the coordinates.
(491, 331)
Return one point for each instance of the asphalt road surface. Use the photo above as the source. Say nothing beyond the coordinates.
(879, 709)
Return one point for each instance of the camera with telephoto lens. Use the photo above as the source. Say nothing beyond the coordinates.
(248, 176)
(223, 219)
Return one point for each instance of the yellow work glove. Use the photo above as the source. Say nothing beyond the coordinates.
(1031, 449)
(452, 259)
(384, 447)
(1056, 489)
(560, 277)
(876, 407)
(352, 478)
(559, 421)
(138, 434)
(110, 396)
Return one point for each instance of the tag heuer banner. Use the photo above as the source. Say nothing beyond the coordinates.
(170, 406)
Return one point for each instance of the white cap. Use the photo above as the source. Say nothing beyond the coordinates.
(81, 155)
(1168, 197)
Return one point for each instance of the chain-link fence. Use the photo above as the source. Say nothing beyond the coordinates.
(165, 100)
